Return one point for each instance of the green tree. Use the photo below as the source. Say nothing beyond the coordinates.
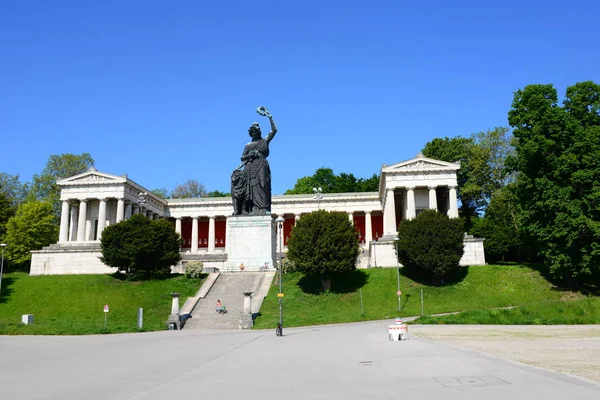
(431, 242)
(327, 180)
(161, 192)
(558, 169)
(140, 247)
(190, 189)
(31, 228)
(500, 227)
(324, 244)
(13, 189)
(44, 187)
(483, 166)
(216, 193)
(7, 211)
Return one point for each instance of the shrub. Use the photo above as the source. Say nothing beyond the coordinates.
(194, 269)
(140, 247)
(431, 242)
(289, 266)
(324, 244)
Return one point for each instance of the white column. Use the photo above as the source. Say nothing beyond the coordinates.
(411, 212)
(389, 214)
(453, 200)
(368, 228)
(120, 210)
(211, 234)
(64, 222)
(74, 222)
(195, 235)
(296, 218)
(136, 209)
(128, 210)
(432, 198)
(178, 225)
(149, 214)
(351, 218)
(82, 219)
(101, 218)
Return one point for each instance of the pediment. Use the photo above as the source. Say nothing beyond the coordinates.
(91, 176)
(421, 163)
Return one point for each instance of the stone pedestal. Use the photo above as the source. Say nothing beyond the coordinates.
(246, 317)
(252, 241)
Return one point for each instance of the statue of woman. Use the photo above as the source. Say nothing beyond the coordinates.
(256, 168)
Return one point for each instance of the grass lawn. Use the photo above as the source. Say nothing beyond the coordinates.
(73, 304)
(487, 286)
(584, 311)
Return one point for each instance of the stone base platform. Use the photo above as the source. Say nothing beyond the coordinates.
(252, 241)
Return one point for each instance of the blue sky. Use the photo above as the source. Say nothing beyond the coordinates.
(166, 91)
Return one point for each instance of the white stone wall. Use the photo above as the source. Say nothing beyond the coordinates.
(474, 254)
(71, 261)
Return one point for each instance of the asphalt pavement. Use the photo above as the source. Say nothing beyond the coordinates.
(350, 361)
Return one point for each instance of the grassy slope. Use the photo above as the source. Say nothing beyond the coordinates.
(584, 311)
(73, 304)
(482, 287)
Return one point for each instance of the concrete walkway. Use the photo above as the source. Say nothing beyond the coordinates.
(351, 361)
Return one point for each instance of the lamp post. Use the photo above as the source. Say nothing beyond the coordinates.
(318, 195)
(142, 198)
(280, 221)
(3, 245)
(398, 273)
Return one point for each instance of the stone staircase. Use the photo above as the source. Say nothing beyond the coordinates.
(229, 288)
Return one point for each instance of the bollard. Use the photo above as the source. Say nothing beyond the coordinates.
(246, 317)
(140, 321)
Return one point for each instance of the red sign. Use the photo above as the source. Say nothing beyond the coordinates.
(399, 293)
(106, 308)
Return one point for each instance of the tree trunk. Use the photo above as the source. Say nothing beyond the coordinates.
(326, 283)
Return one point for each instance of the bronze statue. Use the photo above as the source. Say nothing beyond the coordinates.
(253, 185)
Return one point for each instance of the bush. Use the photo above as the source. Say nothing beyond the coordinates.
(194, 269)
(431, 242)
(324, 244)
(289, 266)
(140, 247)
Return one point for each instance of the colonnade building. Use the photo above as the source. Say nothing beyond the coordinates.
(93, 200)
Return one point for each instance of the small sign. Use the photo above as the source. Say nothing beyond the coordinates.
(399, 293)
(106, 308)
(279, 294)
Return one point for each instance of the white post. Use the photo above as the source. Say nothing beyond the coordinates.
(64, 222)
(296, 218)
(411, 212)
(453, 210)
(74, 222)
(82, 219)
(194, 235)
(178, 225)
(101, 218)
(368, 228)
(389, 214)
(351, 217)
(432, 198)
(211, 234)
(120, 210)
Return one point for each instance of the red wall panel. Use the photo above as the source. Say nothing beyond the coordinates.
(377, 226)
(186, 233)
(220, 230)
(359, 225)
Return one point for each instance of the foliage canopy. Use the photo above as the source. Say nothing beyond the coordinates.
(140, 247)
(327, 180)
(324, 244)
(557, 163)
(31, 228)
(431, 242)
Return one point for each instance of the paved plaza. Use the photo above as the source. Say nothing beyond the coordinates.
(353, 361)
